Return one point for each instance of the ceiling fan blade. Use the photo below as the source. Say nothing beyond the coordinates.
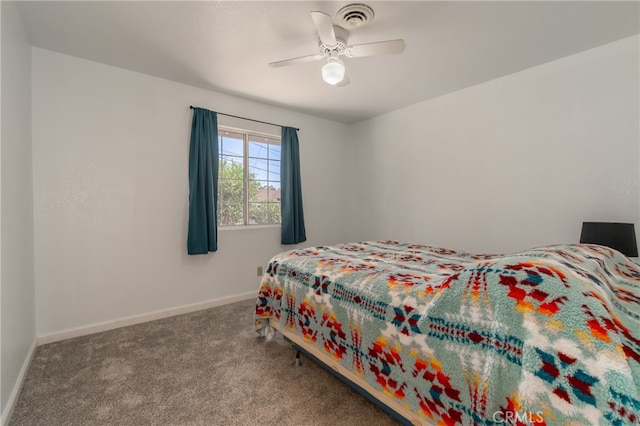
(324, 27)
(376, 48)
(299, 60)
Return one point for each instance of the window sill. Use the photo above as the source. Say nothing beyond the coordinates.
(246, 227)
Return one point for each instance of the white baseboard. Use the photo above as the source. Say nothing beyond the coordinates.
(17, 387)
(137, 319)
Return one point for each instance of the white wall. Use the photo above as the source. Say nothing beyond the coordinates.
(110, 153)
(510, 164)
(16, 278)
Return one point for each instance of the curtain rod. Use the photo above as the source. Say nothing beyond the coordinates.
(250, 119)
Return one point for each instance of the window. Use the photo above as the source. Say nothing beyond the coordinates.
(248, 178)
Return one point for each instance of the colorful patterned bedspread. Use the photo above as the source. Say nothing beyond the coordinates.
(549, 336)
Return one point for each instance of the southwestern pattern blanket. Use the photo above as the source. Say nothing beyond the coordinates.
(545, 336)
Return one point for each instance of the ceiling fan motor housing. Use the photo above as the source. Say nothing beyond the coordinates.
(341, 36)
(354, 15)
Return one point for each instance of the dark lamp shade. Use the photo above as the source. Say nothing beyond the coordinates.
(618, 236)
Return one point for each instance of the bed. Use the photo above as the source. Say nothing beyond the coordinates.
(439, 337)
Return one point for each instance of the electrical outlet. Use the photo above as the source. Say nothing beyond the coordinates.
(259, 271)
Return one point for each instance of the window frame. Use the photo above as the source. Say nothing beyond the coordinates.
(247, 135)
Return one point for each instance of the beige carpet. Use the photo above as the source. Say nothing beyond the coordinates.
(203, 368)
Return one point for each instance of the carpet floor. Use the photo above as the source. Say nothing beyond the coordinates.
(203, 368)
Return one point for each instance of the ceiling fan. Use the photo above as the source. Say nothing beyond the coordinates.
(332, 43)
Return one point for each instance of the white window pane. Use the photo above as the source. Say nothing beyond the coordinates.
(228, 159)
(258, 149)
(264, 213)
(232, 144)
(230, 167)
(230, 203)
(258, 169)
(274, 152)
(262, 192)
(274, 213)
(274, 171)
(274, 195)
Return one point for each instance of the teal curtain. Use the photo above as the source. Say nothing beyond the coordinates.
(202, 235)
(293, 231)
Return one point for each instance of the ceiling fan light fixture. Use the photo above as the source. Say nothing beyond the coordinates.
(333, 71)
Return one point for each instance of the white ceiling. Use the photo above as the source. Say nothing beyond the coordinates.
(226, 45)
